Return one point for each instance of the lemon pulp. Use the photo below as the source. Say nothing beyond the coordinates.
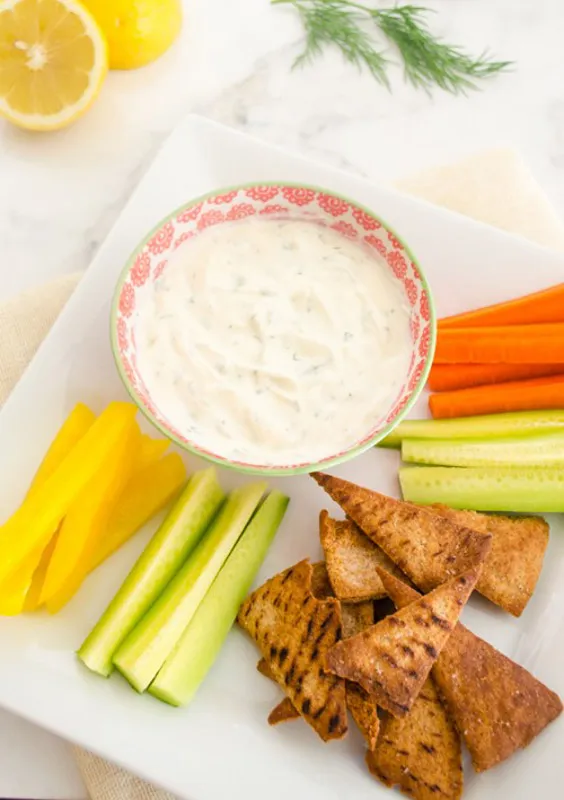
(53, 61)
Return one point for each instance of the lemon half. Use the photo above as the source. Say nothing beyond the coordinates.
(53, 61)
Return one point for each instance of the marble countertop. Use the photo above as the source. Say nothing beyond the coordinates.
(60, 193)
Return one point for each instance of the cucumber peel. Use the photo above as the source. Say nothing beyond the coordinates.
(187, 665)
(166, 552)
(515, 423)
(143, 652)
(522, 490)
(546, 450)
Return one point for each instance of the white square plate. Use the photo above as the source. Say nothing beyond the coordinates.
(221, 745)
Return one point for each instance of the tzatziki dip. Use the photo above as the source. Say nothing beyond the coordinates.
(274, 342)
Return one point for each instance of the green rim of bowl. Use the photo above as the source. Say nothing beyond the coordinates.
(274, 471)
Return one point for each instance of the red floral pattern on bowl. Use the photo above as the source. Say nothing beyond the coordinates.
(398, 264)
(333, 205)
(240, 211)
(298, 196)
(366, 220)
(189, 214)
(292, 202)
(162, 239)
(141, 269)
(262, 193)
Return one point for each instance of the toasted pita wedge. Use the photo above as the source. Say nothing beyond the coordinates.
(420, 754)
(294, 631)
(351, 559)
(356, 618)
(359, 703)
(497, 706)
(364, 712)
(512, 568)
(285, 711)
(392, 659)
(428, 548)
(320, 583)
(264, 669)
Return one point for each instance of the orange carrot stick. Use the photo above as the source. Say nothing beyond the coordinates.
(449, 377)
(514, 344)
(536, 394)
(540, 307)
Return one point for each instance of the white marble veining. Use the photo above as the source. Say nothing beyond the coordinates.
(60, 193)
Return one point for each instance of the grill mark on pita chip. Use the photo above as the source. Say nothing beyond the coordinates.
(355, 618)
(497, 705)
(293, 667)
(409, 534)
(421, 753)
(513, 566)
(351, 559)
(376, 658)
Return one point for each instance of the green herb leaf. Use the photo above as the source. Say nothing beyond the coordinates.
(328, 23)
(427, 60)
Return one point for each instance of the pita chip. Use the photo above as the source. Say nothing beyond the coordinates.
(427, 547)
(355, 618)
(421, 753)
(497, 706)
(351, 559)
(285, 711)
(359, 703)
(320, 583)
(294, 632)
(392, 659)
(513, 566)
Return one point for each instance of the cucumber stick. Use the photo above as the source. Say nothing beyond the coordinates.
(161, 559)
(143, 652)
(546, 450)
(516, 423)
(523, 490)
(199, 645)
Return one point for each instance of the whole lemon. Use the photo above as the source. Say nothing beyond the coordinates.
(138, 31)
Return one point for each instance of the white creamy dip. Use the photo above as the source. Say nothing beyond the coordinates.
(274, 341)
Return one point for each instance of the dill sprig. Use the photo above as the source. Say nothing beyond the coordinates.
(329, 23)
(427, 60)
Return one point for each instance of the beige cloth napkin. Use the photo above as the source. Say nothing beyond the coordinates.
(495, 187)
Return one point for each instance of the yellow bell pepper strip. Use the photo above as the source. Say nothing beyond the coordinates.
(88, 516)
(31, 602)
(39, 516)
(14, 591)
(151, 450)
(151, 493)
(147, 493)
(70, 433)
